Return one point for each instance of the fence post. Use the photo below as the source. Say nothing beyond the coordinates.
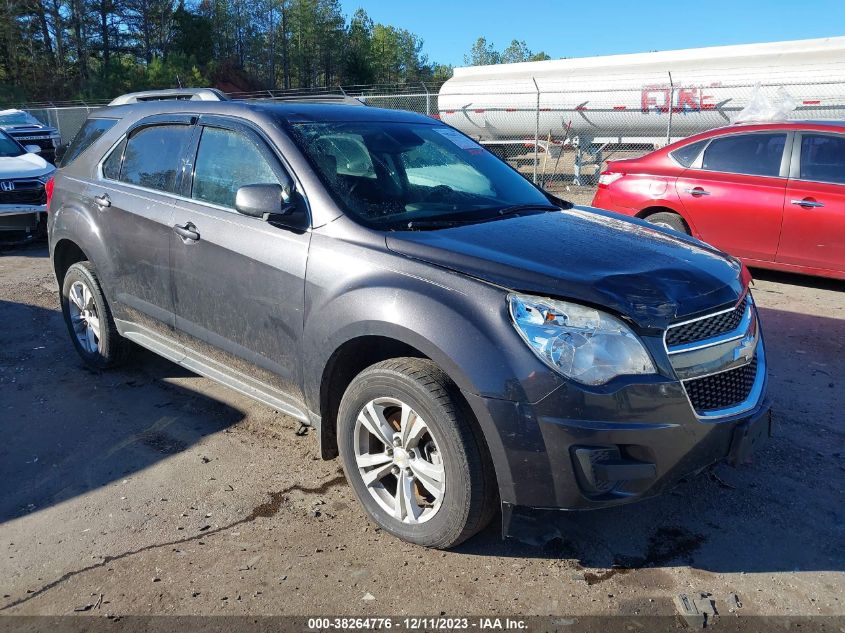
(427, 99)
(536, 130)
(671, 108)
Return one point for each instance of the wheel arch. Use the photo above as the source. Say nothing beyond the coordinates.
(650, 210)
(66, 253)
(347, 361)
(359, 351)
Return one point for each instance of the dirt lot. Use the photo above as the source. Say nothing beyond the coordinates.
(149, 490)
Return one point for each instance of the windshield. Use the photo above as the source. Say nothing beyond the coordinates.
(388, 175)
(17, 117)
(9, 148)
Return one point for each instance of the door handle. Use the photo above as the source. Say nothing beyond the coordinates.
(188, 232)
(102, 201)
(808, 203)
(697, 191)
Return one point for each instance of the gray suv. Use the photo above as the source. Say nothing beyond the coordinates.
(464, 341)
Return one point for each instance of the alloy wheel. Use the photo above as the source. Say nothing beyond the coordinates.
(399, 461)
(84, 317)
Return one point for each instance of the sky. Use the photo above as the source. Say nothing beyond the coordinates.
(580, 29)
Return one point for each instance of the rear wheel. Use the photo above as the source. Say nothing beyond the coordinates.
(669, 220)
(89, 320)
(412, 455)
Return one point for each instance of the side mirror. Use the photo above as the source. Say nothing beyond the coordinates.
(32, 149)
(276, 204)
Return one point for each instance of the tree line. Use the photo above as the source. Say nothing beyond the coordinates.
(58, 50)
(484, 53)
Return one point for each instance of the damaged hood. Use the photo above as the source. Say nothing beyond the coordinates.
(643, 272)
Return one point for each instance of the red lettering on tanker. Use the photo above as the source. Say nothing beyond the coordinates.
(660, 99)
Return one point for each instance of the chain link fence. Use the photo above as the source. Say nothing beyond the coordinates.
(560, 139)
(563, 139)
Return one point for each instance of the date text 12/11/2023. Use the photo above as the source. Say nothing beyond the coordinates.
(416, 623)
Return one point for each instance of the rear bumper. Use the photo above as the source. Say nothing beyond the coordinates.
(539, 453)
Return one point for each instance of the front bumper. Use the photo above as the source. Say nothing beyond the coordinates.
(22, 217)
(535, 448)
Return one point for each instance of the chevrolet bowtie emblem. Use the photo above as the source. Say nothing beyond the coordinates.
(745, 349)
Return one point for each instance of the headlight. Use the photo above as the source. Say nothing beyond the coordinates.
(45, 177)
(579, 342)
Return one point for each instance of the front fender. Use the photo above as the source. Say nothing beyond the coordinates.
(460, 323)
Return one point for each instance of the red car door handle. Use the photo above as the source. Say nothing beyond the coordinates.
(808, 203)
(697, 191)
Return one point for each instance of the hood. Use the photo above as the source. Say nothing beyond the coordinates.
(19, 126)
(25, 166)
(628, 266)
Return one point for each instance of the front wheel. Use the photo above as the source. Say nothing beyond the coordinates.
(414, 457)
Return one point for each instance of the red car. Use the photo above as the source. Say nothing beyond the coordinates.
(771, 194)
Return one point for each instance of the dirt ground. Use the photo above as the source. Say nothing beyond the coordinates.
(149, 490)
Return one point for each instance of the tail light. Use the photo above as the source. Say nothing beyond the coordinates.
(48, 189)
(745, 276)
(608, 178)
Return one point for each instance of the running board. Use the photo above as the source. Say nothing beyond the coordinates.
(204, 366)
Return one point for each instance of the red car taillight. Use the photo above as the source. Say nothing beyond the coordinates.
(608, 178)
(48, 189)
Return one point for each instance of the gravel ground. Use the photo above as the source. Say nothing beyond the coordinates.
(149, 490)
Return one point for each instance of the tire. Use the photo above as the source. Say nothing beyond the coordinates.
(83, 302)
(450, 447)
(669, 220)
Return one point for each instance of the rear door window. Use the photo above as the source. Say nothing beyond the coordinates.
(823, 158)
(227, 160)
(154, 157)
(90, 131)
(751, 154)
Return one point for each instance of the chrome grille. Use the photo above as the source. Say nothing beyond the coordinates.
(24, 192)
(707, 328)
(722, 391)
(720, 360)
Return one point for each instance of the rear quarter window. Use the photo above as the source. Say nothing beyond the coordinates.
(111, 166)
(90, 131)
(687, 154)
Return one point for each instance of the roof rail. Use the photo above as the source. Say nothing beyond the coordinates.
(323, 98)
(181, 94)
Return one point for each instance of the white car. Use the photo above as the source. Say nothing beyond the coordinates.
(23, 198)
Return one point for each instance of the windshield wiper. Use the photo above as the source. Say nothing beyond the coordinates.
(518, 208)
(434, 223)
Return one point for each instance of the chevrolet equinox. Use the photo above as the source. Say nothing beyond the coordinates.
(462, 340)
